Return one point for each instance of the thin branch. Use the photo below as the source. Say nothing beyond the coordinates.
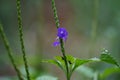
(21, 38)
(9, 51)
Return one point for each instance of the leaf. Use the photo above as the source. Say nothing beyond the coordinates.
(46, 77)
(58, 62)
(74, 63)
(108, 72)
(79, 62)
(70, 59)
(71, 62)
(49, 61)
(86, 71)
(106, 57)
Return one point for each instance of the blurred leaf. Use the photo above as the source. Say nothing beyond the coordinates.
(70, 59)
(109, 71)
(71, 62)
(96, 76)
(49, 61)
(58, 62)
(106, 57)
(46, 77)
(32, 71)
(86, 71)
(74, 63)
(79, 62)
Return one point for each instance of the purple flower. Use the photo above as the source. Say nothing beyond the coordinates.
(56, 43)
(61, 34)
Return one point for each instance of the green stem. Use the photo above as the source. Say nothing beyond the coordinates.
(94, 27)
(95, 20)
(21, 38)
(55, 14)
(61, 40)
(65, 59)
(9, 50)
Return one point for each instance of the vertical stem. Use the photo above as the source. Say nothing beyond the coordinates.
(9, 50)
(61, 40)
(55, 14)
(95, 20)
(94, 27)
(96, 76)
(21, 38)
(65, 59)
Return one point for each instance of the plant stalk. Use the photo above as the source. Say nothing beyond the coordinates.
(21, 38)
(94, 27)
(95, 20)
(61, 40)
(9, 51)
(65, 59)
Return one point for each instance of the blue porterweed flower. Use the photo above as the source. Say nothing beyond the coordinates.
(61, 34)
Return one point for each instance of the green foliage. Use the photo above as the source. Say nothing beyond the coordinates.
(107, 72)
(106, 57)
(79, 62)
(46, 77)
(92, 74)
(86, 71)
(74, 63)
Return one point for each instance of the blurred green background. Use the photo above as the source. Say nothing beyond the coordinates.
(92, 26)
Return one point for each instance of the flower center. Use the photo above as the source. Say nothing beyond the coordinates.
(61, 32)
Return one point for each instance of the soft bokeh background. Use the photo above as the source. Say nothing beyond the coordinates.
(92, 26)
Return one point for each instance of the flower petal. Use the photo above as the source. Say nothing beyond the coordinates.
(62, 32)
(56, 43)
